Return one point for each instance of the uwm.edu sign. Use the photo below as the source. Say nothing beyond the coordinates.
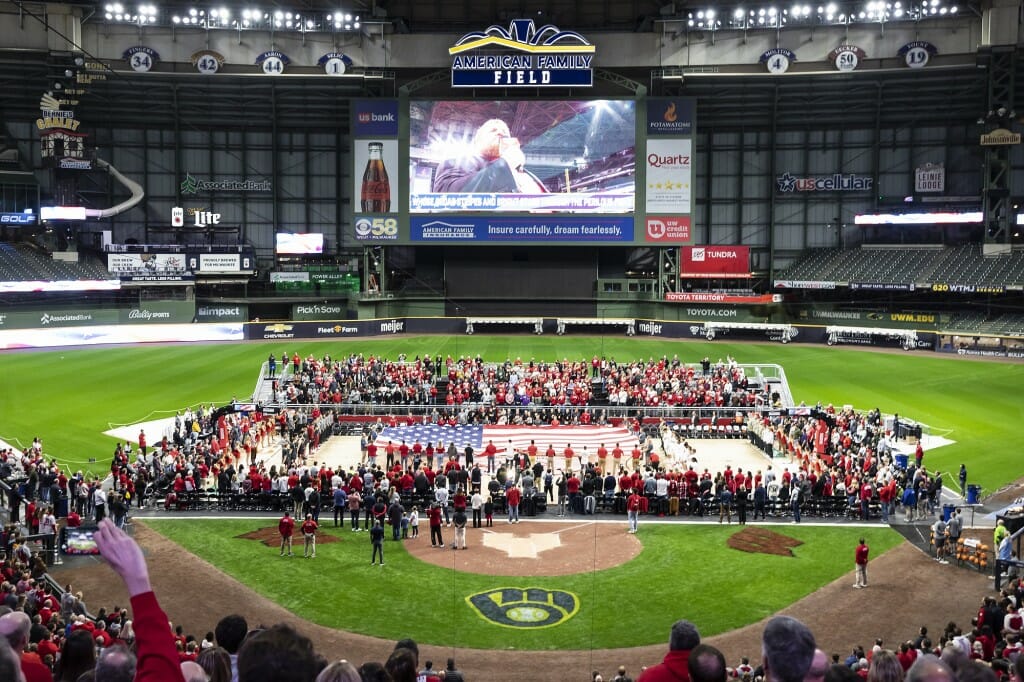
(714, 261)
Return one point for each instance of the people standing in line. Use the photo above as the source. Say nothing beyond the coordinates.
(860, 560)
(286, 527)
(377, 540)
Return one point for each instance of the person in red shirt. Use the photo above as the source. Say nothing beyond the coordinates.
(861, 560)
(309, 527)
(491, 450)
(633, 505)
(513, 497)
(434, 515)
(286, 527)
(674, 667)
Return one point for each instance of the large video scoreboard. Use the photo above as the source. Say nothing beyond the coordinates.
(518, 171)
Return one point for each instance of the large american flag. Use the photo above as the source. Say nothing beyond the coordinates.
(512, 438)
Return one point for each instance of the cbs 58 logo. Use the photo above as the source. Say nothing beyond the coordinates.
(376, 228)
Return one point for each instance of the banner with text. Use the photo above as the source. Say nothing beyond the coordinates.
(496, 230)
(714, 261)
(669, 176)
(709, 297)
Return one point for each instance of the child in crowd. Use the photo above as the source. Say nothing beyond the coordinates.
(489, 512)
(414, 522)
(405, 525)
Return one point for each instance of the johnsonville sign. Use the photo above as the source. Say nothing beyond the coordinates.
(522, 56)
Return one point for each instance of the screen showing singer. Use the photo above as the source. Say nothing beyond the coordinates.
(522, 156)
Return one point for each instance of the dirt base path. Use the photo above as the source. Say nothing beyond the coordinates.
(907, 589)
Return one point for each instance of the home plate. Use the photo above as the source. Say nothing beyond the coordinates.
(521, 547)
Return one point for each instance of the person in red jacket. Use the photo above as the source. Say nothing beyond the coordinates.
(861, 560)
(309, 527)
(513, 496)
(434, 514)
(286, 527)
(673, 668)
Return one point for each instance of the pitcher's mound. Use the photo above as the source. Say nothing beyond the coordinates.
(271, 538)
(762, 540)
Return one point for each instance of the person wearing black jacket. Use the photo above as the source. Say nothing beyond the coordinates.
(377, 540)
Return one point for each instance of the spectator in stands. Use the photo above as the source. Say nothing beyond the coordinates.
(278, 653)
(230, 633)
(818, 669)
(401, 665)
(682, 640)
(15, 628)
(217, 664)
(77, 655)
(154, 641)
(339, 671)
(788, 648)
(10, 666)
(706, 664)
(885, 667)
(928, 668)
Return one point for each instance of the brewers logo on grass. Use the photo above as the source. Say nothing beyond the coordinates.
(525, 607)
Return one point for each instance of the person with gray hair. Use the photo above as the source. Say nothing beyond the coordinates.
(10, 666)
(14, 628)
(928, 668)
(116, 664)
(682, 640)
(787, 647)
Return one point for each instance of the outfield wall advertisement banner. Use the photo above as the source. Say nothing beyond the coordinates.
(703, 297)
(222, 312)
(484, 229)
(714, 261)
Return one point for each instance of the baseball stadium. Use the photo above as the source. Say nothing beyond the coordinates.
(351, 341)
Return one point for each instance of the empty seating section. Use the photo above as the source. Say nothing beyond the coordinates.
(977, 324)
(23, 263)
(947, 265)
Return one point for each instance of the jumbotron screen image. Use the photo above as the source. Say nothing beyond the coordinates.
(522, 156)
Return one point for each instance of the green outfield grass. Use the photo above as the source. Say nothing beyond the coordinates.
(682, 571)
(69, 397)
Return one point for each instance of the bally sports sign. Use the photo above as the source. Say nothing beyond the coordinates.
(714, 261)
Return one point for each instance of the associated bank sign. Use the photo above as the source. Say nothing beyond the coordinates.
(522, 56)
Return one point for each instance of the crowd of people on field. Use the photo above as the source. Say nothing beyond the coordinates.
(450, 382)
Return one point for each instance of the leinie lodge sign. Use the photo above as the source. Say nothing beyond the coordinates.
(522, 56)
